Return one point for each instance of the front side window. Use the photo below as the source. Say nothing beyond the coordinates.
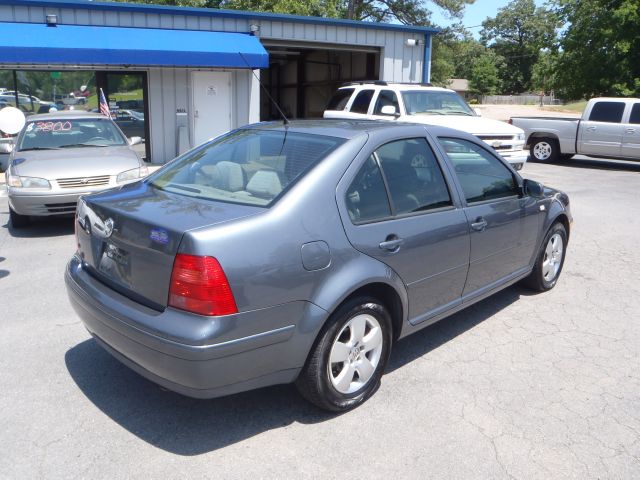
(435, 102)
(362, 101)
(340, 99)
(608, 112)
(57, 133)
(482, 176)
(251, 167)
(386, 98)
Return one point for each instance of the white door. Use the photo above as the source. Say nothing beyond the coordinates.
(211, 105)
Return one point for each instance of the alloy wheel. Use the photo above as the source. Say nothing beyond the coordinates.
(355, 353)
(552, 257)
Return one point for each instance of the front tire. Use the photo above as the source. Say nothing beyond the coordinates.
(546, 150)
(548, 266)
(347, 362)
(17, 220)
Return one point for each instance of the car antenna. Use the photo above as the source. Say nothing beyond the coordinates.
(284, 117)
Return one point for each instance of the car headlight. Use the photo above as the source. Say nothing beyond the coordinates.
(132, 174)
(28, 182)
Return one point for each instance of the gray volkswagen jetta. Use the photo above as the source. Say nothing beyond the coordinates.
(302, 252)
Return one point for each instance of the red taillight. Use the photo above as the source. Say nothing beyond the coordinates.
(199, 285)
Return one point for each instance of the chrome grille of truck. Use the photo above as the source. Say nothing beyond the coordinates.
(83, 182)
(498, 142)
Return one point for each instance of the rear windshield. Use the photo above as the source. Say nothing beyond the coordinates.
(340, 99)
(251, 167)
(72, 133)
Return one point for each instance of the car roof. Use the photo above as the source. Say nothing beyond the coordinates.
(348, 129)
(397, 86)
(66, 114)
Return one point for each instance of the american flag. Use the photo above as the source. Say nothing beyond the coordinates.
(104, 106)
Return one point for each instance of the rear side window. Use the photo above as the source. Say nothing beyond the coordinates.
(635, 114)
(367, 199)
(386, 98)
(340, 99)
(482, 176)
(609, 112)
(400, 177)
(251, 167)
(414, 178)
(362, 101)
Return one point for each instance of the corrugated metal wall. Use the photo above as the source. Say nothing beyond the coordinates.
(170, 89)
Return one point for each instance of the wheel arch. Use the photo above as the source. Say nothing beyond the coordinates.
(538, 135)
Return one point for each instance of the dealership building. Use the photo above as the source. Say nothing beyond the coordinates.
(178, 76)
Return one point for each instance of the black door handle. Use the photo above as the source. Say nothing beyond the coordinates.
(392, 244)
(479, 225)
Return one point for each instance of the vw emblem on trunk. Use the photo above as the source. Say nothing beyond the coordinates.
(108, 227)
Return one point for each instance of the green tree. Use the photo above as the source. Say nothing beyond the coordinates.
(483, 78)
(454, 50)
(518, 33)
(543, 74)
(600, 48)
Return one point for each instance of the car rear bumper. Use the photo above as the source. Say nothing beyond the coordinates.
(201, 357)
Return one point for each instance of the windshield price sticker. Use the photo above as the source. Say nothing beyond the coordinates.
(50, 126)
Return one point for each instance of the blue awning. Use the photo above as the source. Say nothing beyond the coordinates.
(38, 44)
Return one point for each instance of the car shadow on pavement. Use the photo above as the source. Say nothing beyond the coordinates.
(43, 227)
(187, 426)
(598, 164)
(421, 343)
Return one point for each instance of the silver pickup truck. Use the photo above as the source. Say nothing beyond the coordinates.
(609, 128)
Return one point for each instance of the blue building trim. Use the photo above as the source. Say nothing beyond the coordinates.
(211, 12)
(426, 62)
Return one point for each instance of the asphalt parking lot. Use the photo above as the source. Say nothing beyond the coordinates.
(519, 386)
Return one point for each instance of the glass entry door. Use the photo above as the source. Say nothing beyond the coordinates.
(126, 93)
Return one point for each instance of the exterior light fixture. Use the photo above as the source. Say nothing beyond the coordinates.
(413, 42)
(254, 28)
(52, 20)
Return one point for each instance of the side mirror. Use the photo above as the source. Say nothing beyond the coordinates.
(389, 110)
(6, 147)
(135, 141)
(532, 189)
(478, 111)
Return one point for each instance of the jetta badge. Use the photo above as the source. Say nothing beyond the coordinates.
(108, 227)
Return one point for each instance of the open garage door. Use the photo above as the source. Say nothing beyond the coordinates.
(303, 77)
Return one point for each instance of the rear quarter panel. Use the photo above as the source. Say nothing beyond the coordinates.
(562, 129)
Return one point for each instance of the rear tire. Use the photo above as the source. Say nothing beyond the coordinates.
(546, 150)
(550, 260)
(346, 363)
(17, 220)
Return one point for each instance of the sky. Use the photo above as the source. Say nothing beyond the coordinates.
(474, 14)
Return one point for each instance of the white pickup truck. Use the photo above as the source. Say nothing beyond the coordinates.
(378, 100)
(609, 128)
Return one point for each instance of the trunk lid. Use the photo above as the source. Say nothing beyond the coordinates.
(128, 238)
